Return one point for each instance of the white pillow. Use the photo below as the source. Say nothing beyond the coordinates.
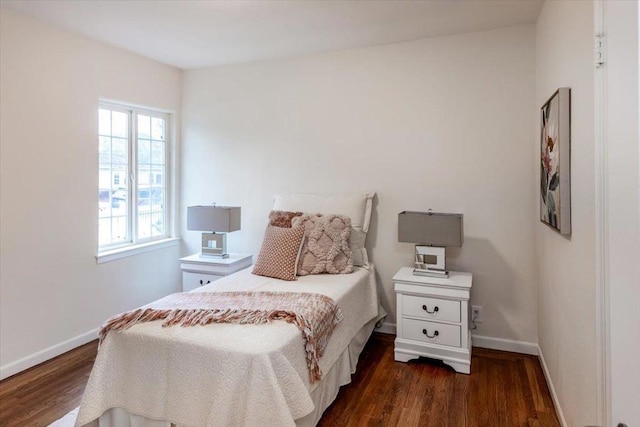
(355, 206)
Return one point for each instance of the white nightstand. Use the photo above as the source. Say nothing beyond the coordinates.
(433, 318)
(198, 270)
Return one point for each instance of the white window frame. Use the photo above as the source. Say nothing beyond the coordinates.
(134, 245)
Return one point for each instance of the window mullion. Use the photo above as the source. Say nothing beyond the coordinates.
(133, 201)
(167, 178)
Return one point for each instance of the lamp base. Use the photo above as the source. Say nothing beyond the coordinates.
(430, 261)
(206, 255)
(214, 245)
(431, 273)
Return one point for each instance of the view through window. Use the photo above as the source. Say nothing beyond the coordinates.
(133, 158)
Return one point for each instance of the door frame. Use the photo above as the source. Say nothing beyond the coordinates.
(615, 210)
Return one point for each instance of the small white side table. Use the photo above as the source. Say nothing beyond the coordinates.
(200, 270)
(433, 318)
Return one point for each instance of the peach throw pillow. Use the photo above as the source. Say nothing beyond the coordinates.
(279, 254)
(282, 218)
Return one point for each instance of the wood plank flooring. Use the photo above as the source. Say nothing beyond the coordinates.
(504, 389)
(44, 393)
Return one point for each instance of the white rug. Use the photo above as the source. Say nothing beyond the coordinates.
(66, 421)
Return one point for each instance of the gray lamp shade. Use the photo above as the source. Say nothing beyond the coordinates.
(430, 228)
(220, 219)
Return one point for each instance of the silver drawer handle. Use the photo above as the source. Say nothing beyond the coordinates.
(435, 309)
(435, 334)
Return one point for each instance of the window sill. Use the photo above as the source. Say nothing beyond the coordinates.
(128, 251)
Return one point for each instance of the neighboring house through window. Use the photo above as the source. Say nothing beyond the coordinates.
(133, 158)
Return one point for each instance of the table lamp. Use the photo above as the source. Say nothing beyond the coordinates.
(217, 221)
(433, 232)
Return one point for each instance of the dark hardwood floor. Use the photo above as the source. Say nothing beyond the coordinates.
(504, 389)
(44, 393)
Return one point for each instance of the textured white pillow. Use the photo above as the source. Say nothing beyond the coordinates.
(325, 247)
(356, 206)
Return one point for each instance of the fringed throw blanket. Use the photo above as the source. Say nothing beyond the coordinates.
(316, 315)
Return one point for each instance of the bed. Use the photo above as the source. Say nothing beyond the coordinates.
(237, 375)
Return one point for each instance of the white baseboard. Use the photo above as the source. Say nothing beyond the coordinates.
(46, 354)
(505, 344)
(552, 389)
(387, 328)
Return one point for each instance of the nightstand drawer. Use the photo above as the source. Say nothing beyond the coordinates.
(431, 332)
(195, 280)
(431, 308)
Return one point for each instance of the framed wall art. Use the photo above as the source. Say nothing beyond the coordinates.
(555, 161)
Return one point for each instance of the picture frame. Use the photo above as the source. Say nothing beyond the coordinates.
(555, 161)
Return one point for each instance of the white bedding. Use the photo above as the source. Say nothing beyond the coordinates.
(225, 374)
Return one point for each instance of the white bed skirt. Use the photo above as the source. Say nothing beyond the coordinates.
(323, 395)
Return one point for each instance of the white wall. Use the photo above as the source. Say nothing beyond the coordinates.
(51, 288)
(566, 296)
(440, 123)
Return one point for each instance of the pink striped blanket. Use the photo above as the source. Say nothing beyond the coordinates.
(316, 315)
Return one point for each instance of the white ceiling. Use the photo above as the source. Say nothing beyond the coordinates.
(193, 34)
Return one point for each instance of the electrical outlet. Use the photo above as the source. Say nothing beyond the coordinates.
(476, 313)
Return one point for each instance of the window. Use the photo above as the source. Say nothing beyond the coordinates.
(133, 159)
